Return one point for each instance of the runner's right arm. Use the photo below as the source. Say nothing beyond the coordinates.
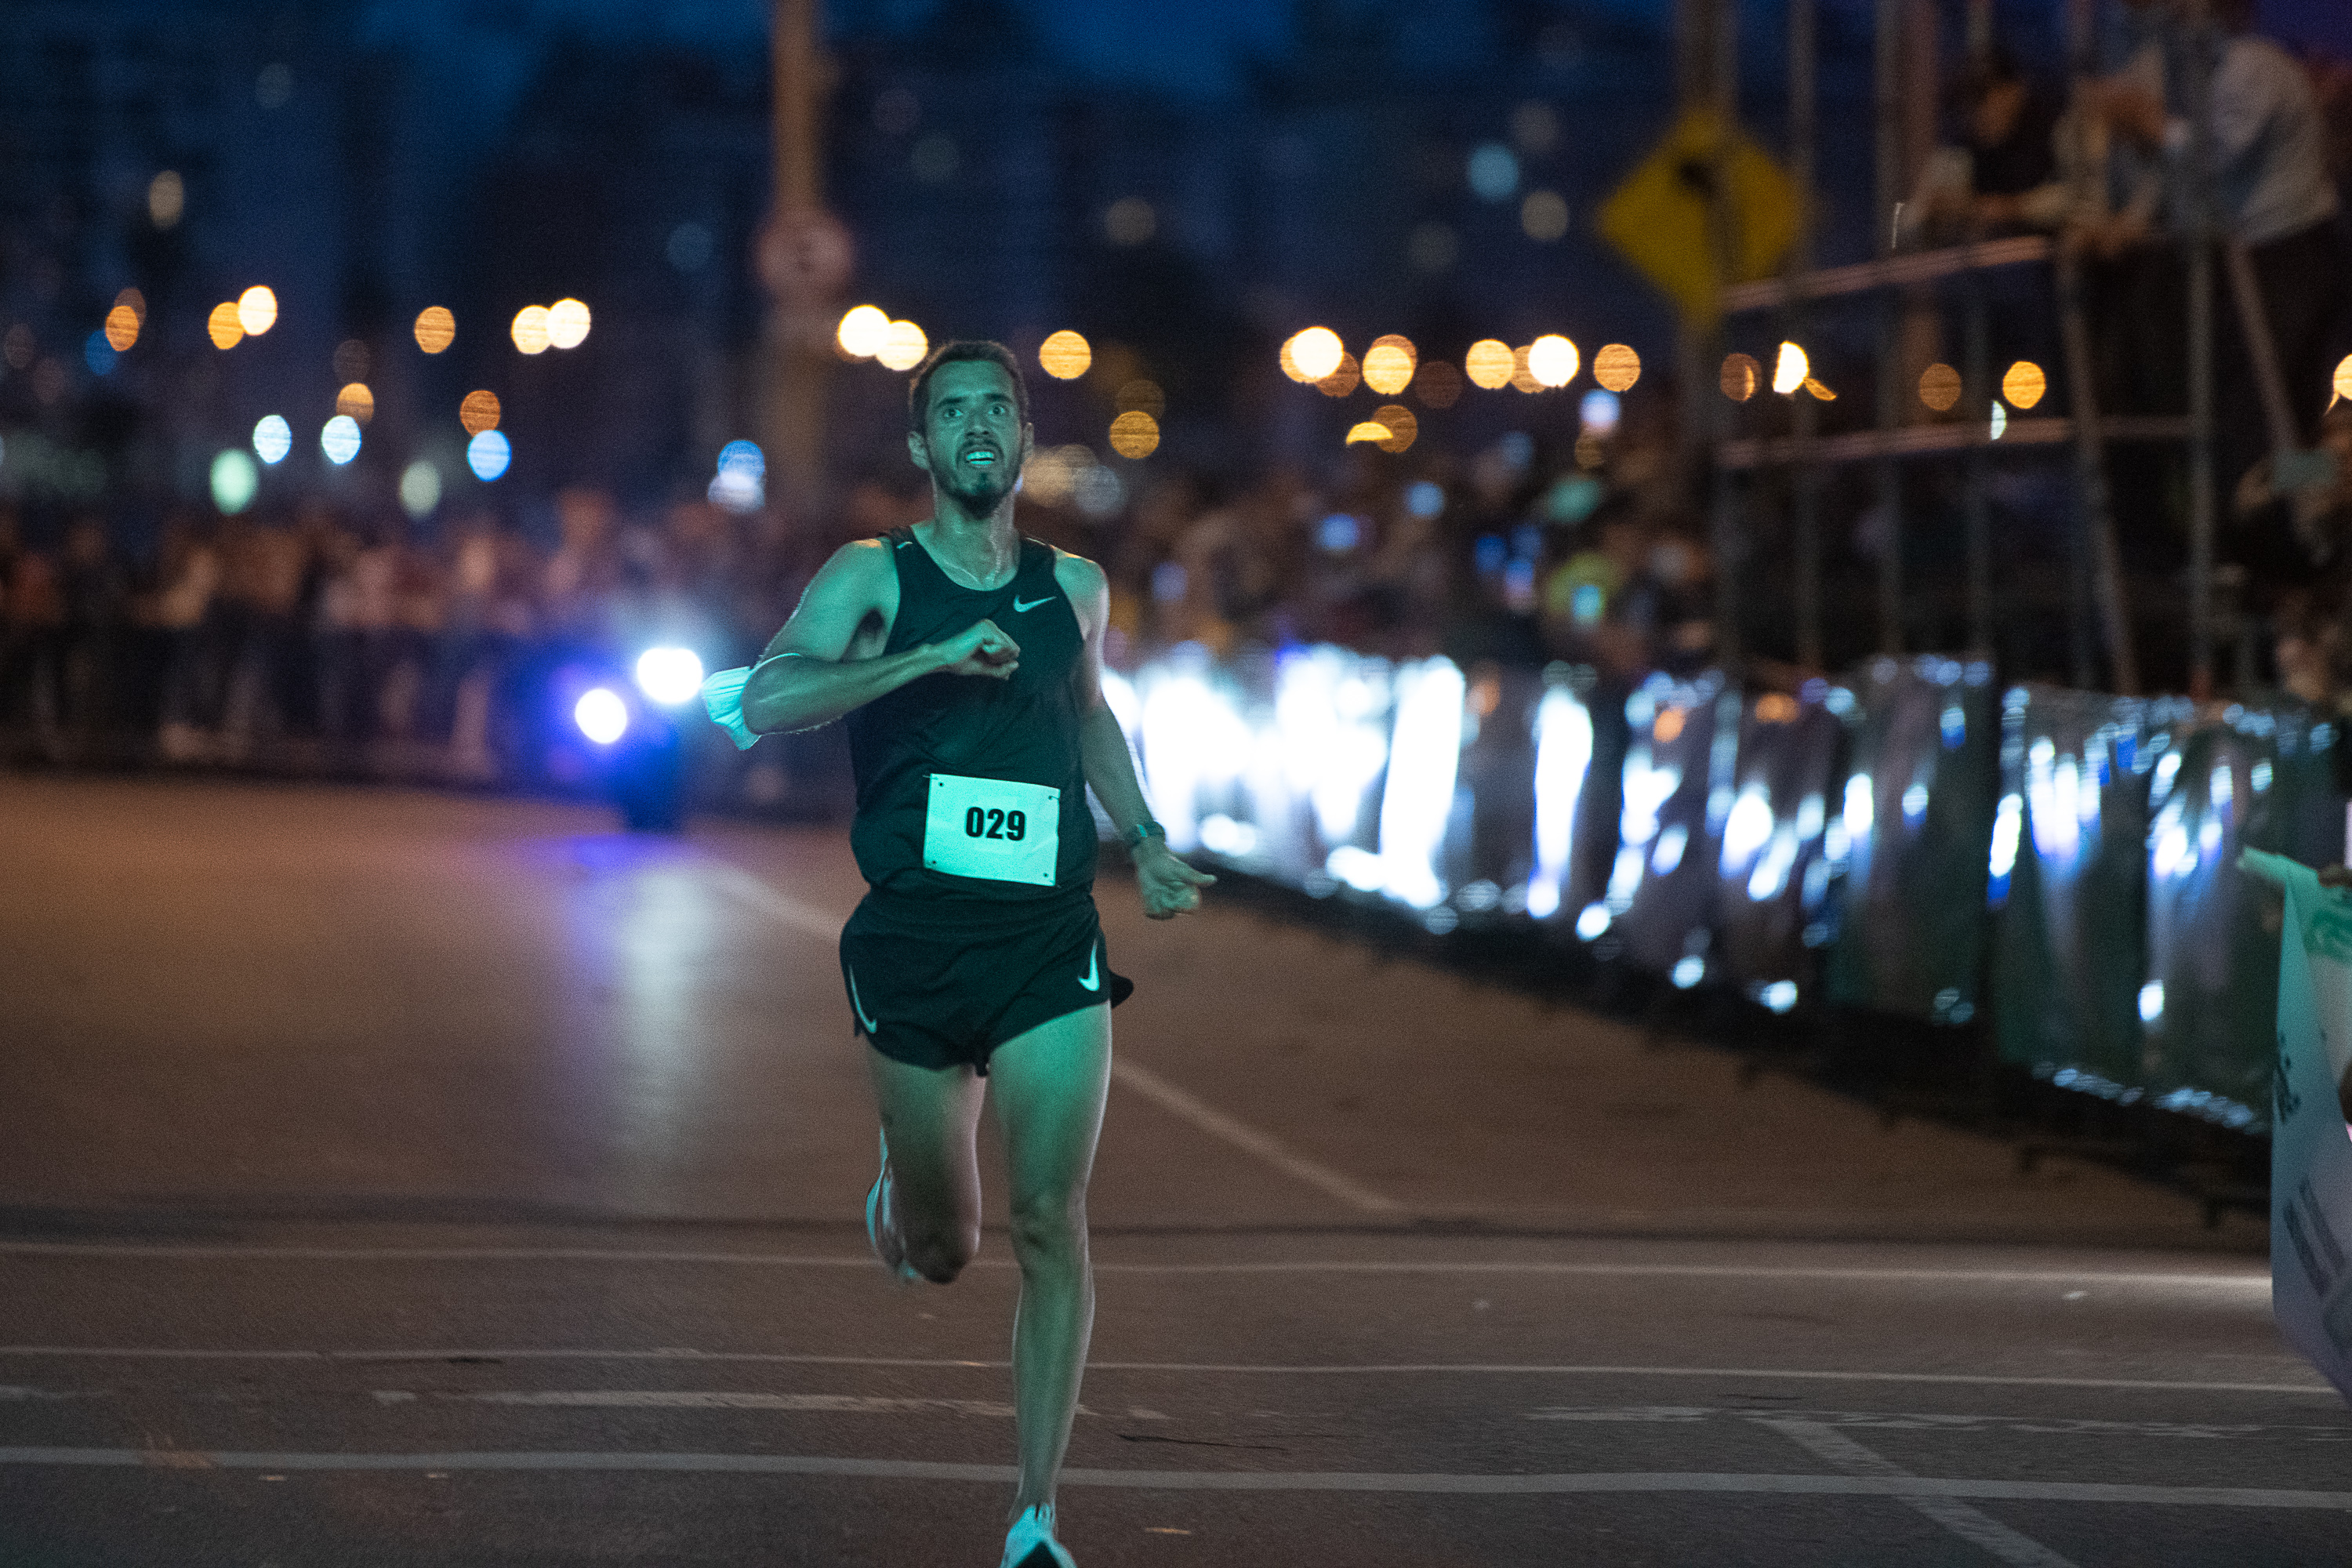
(827, 658)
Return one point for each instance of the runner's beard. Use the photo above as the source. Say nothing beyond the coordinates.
(981, 490)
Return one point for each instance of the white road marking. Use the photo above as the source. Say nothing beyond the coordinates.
(782, 907)
(720, 1399)
(1896, 1421)
(814, 921)
(1237, 1369)
(2177, 1279)
(1970, 1524)
(1903, 1486)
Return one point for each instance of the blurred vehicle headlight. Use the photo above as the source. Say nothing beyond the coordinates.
(669, 675)
(600, 714)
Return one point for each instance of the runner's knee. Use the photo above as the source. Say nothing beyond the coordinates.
(1049, 1225)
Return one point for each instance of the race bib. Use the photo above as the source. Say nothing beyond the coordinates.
(994, 828)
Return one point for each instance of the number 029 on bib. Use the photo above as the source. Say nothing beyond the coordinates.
(993, 828)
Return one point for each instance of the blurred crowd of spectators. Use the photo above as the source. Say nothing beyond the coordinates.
(313, 632)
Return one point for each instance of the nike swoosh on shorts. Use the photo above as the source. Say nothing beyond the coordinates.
(1018, 606)
(1092, 978)
(858, 1007)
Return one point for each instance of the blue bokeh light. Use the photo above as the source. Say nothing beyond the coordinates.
(487, 455)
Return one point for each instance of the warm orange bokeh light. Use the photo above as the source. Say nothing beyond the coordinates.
(478, 412)
(437, 328)
(1616, 367)
(1065, 356)
(1489, 364)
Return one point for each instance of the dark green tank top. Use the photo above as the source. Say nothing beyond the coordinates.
(1024, 729)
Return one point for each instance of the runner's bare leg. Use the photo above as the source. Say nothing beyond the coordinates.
(931, 1116)
(1049, 1089)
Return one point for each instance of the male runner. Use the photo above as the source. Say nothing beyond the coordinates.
(968, 661)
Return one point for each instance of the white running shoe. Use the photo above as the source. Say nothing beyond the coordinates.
(882, 1224)
(1030, 1542)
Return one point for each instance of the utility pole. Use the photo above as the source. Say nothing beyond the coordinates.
(804, 260)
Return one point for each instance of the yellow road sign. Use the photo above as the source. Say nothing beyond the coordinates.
(1658, 219)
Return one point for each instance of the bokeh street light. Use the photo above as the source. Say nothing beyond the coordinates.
(234, 480)
(1065, 356)
(1489, 365)
(1135, 434)
(861, 332)
(1616, 367)
(903, 346)
(256, 310)
(530, 330)
(273, 439)
(487, 455)
(1791, 369)
(478, 412)
(1310, 355)
(2024, 385)
(437, 328)
(567, 324)
(339, 440)
(1552, 360)
(1389, 364)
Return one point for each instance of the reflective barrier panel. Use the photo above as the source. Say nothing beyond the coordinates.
(2069, 887)
(1917, 820)
(1489, 863)
(1773, 891)
(2224, 781)
(1677, 796)
(1892, 822)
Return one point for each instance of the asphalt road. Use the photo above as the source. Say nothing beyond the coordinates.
(399, 1179)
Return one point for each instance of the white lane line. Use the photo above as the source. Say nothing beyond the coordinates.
(807, 919)
(698, 1399)
(1958, 1426)
(1249, 1140)
(1239, 1369)
(1970, 1524)
(814, 921)
(1733, 1482)
(2117, 1280)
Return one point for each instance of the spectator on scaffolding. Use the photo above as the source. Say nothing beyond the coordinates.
(32, 638)
(98, 603)
(2310, 647)
(2005, 173)
(261, 596)
(2314, 506)
(188, 580)
(340, 633)
(1583, 613)
(2272, 192)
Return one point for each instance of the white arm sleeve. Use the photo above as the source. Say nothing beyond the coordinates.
(722, 697)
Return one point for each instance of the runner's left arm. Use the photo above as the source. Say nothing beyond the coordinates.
(1169, 886)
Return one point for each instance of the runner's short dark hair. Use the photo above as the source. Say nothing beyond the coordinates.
(960, 351)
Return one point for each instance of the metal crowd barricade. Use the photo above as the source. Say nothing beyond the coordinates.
(1912, 834)
(1773, 891)
(1660, 904)
(2225, 781)
(2069, 887)
(1886, 844)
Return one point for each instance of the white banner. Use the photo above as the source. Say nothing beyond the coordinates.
(2311, 1148)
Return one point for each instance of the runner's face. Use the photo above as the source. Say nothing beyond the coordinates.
(973, 442)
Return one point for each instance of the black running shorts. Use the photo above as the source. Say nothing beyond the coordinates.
(946, 989)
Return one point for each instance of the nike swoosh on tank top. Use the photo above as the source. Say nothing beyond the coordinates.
(1023, 729)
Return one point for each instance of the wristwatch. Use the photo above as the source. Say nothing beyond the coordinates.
(1134, 836)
